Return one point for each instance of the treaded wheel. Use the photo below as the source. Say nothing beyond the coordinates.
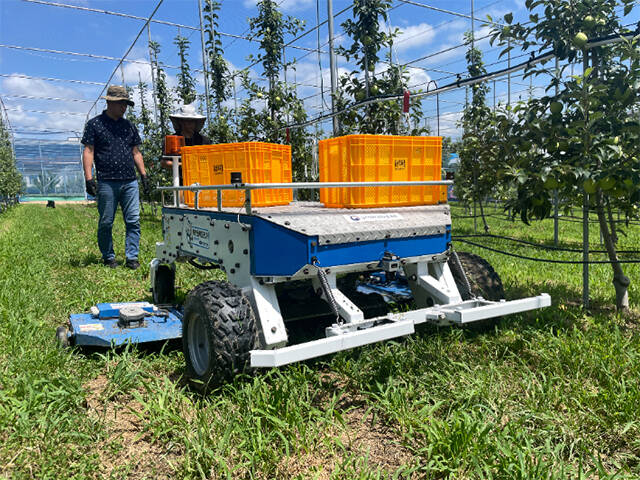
(62, 337)
(164, 289)
(218, 332)
(483, 279)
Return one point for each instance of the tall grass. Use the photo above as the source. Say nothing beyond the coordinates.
(551, 394)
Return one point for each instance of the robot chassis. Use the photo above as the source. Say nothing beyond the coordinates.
(261, 248)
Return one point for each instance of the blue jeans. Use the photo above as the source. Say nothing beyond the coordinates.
(110, 194)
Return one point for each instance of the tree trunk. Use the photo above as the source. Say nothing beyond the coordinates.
(484, 220)
(620, 280)
(614, 234)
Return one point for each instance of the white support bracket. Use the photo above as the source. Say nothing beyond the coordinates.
(348, 310)
(433, 280)
(264, 301)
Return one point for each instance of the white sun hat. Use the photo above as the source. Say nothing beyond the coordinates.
(187, 112)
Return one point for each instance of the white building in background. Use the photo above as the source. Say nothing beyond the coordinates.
(50, 167)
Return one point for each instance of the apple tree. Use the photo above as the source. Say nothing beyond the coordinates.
(10, 177)
(369, 35)
(581, 137)
(282, 105)
(219, 129)
(476, 176)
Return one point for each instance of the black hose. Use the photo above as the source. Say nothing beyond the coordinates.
(212, 266)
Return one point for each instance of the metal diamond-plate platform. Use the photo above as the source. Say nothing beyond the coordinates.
(333, 225)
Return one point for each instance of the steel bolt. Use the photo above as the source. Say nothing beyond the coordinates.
(233, 270)
(245, 251)
(237, 265)
(273, 329)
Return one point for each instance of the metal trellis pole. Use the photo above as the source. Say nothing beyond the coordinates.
(438, 111)
(556, 196)
(585, 224)
(153, 76)
(472, 32)
(509, 75)
(332, 68)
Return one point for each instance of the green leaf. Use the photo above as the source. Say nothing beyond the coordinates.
(508, 18)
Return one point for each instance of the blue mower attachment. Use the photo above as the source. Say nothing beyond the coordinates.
(114, 324)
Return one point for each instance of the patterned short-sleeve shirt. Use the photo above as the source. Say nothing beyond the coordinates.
(113, 142)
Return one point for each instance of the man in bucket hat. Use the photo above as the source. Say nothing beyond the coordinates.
(188, 123)
(111, 144)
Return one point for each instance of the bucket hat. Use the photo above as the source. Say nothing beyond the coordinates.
(187, 112)
(116, 93)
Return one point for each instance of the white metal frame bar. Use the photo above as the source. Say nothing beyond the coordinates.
(403, 324)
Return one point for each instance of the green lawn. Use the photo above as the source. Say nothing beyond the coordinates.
(552, 394)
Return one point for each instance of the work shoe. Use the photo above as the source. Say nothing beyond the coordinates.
(132, 263)
(111, 263)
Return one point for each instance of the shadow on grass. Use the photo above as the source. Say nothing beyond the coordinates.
(85, 260)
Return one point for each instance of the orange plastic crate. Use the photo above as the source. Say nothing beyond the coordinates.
(258, 162)
(377, 158)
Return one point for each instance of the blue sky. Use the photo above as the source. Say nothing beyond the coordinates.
(28, 24)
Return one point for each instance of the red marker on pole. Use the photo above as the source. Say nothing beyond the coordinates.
(405, 103)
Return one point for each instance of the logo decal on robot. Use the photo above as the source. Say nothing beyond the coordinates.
(197, 236)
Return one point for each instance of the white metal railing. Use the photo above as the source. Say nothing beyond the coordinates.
(249, 187)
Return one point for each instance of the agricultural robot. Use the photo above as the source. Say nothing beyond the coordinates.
(332, 271)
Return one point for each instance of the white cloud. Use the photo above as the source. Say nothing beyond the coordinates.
(414, 35)
(41, 88)
(418, 77)
(134, 72)
(285, 5)
(448, 124)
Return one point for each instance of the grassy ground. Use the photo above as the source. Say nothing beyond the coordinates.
(552, 394)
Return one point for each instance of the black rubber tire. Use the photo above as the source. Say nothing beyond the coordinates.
(164, 288)
(218, 332)
(483, 279)
(62, 337)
